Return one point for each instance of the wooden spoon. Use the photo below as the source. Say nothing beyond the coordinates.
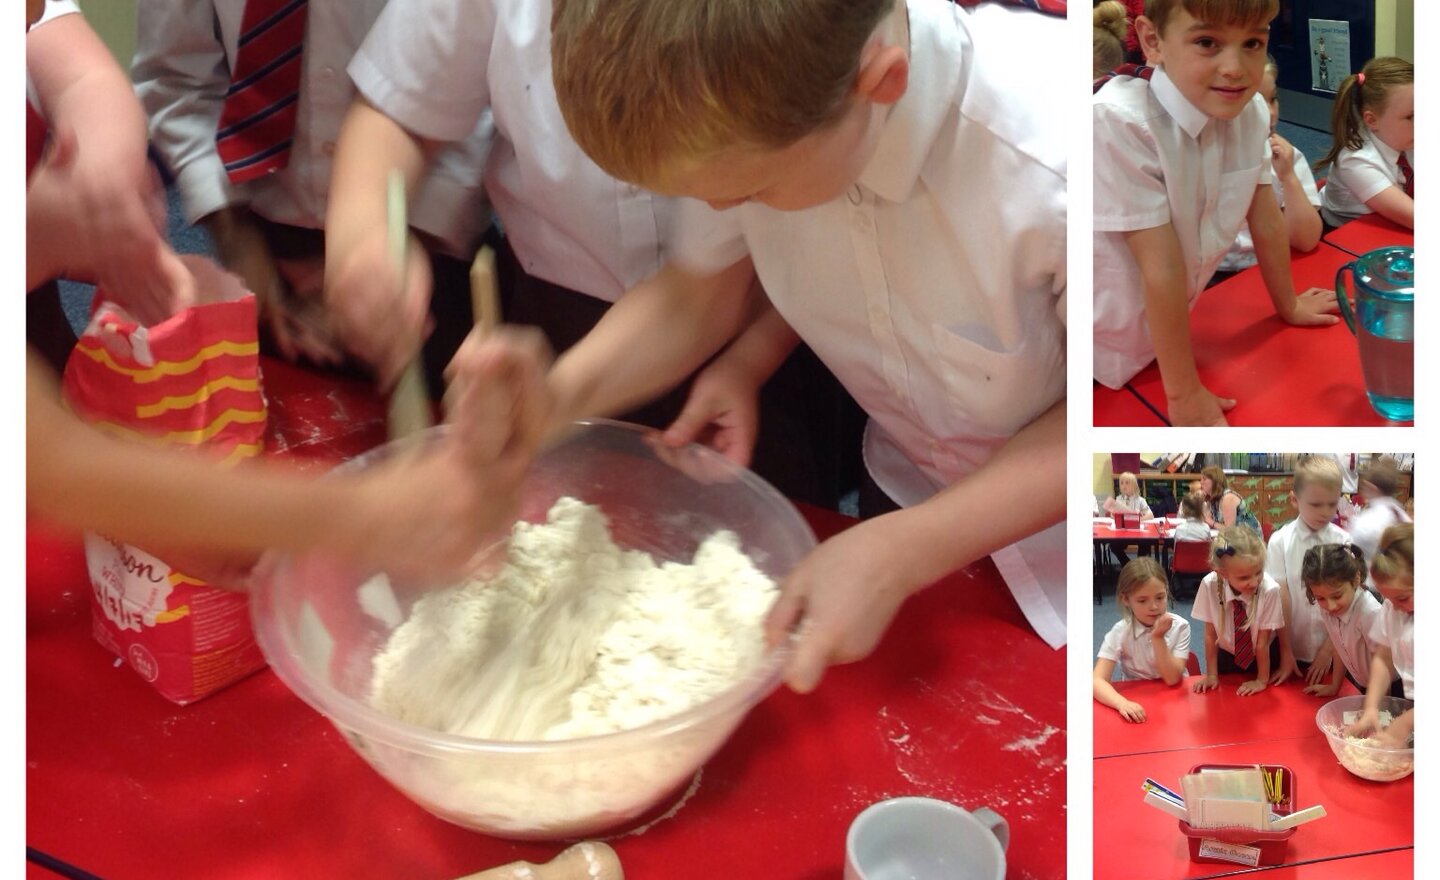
(590, 860)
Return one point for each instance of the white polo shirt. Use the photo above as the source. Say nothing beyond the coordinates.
(1242, 253)
(1350, 633)
(1284, 560)
(1129, 644)
(1264, 610)
(183, 55)
(1137, 503)
(946, 328)
(1360, 175)
(1396, 629)
(1193, 530)
(435, 66)
(1159, 159)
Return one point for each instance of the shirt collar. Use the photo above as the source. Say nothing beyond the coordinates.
(938, 51)
(1391, 156)
(1231, 593)
(1190, 118)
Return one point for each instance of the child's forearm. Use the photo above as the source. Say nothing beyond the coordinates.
(1170, 667)
(1337, 668)
(1302, 221)
(1272, 250)
(1379, 684)
(370, 146)
(1262, 655)
(1395, 206)
(1167, 307)
(1212, 650)
(763, 345)
(652, 338)
(1106, 694)
(935, 545)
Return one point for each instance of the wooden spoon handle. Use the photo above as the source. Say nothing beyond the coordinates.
(590, 860)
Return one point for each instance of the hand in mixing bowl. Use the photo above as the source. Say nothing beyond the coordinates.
(496, 398)
(1397, 735)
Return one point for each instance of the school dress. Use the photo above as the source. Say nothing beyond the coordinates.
(1284, 559)
(949, 332)
(1244, 516)
(1132, 649)
(1159, 159)
(1360, 175)
(1396, 629)
(1242, 253)
(1214, 605)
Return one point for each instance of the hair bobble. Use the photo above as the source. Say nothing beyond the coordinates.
(1222, 552)
(1360, 78)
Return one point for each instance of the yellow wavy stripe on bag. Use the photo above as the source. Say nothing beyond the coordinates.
(242, 452)
(205, 392)
(175, 614)
(162, 369)
(175, 579)
(190, 438)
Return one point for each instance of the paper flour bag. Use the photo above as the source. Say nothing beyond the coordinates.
(191, 381)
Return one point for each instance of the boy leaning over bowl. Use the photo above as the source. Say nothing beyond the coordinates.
(844, 148)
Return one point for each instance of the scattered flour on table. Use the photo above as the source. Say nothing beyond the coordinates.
(626, 641)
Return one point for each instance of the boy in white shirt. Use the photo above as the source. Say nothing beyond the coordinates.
(1181, 160)
(879, 135)
(1316, 495)
(268, 229)
(1378, 485)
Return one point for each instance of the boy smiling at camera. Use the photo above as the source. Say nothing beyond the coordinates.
(1182, 160)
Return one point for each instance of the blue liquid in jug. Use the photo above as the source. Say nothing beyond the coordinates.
(1387, 357)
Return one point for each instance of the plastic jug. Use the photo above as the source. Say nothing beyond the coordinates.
(1383, 321)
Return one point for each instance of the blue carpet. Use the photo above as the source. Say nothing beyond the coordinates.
(1309, 141)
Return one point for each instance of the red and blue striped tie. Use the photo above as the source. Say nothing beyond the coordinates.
(1244, 647)
(257, 122)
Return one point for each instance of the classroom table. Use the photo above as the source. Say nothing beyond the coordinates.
(1280, 375)
(1393, 864)
(1123, 407)
(1179, 718)
(1368, 233)
(251, 782)
(1365, 819)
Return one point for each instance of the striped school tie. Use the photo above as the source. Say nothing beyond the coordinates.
(1244, 647)
(1141, 70)
(257, 121)
(1409, 173)
(1049, 7)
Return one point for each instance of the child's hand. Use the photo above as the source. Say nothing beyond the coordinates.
(1321, 664)
(1162, 626)
(1393, 737)
(496, 398)
(1313, 308)
(1320, 689)
(378, 319)
(1131, 711)
(847, 590)
(1199, 408)
(1254, 686)
(1282, 152)
(721, 412)
(1368, 721)
(1288, 667)
(1208, 683)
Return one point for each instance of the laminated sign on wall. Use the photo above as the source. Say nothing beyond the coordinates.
(1329, 54)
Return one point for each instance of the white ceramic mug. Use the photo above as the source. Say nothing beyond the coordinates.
(918, 838)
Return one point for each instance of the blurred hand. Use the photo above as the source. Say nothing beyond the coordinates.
(496, 398)
(1314, 308)
(1288, 667)
(1132, 711)
(1254, 686)
(1162, 626)
(378, 318)
(1283, 153)
(722, 412)
(1207, 683)
(1365, 725)
(842, 597)
(1393, 737)
(1320, 689)
(1199, 409)
(1320, 665)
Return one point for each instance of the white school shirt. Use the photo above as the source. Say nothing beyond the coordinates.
(1130, 646)
(1266, 613)
(948, 331)
(434, 66)
(1159, 159)
(1193, 530)
(1370, 523)
(1138, 503)
(54, 9)
(1350, 633)
(1284, 559)
(183, 53)
(1396, 629)
(1242, 253)
(1360, 175)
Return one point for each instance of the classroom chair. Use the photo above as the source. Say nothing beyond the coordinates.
(1190, 563)
(1192, 664)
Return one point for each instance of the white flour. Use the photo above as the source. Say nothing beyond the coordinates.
(1367, 757)
(627, 642)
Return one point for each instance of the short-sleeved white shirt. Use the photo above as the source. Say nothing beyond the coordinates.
(1193, 530)
(1159, 159)
(434, 66)
(1350, 633)
(1358, 176)
(1242, 253)
(1283, 561)
(1264, 609)
(1137, 503)
(948, 331)
(1396, 629)
(1129, 644)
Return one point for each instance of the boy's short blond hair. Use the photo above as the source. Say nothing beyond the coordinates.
(1235, 13)
(1383, 475)
(644, 84)
(1320, 470)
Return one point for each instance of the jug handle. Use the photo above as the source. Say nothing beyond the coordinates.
(1343, 296)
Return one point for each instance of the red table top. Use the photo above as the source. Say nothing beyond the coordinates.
(1362, 817)
(1178, 718)
(1365, 234)
(1395, 863)
(1279, 374)
(1122, 408)
(1146, 532)
(251, 782)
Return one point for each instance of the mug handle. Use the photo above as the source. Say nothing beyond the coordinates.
(1343, 296)
(996, 823)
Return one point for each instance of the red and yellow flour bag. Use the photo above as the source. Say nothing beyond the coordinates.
(190, 381)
